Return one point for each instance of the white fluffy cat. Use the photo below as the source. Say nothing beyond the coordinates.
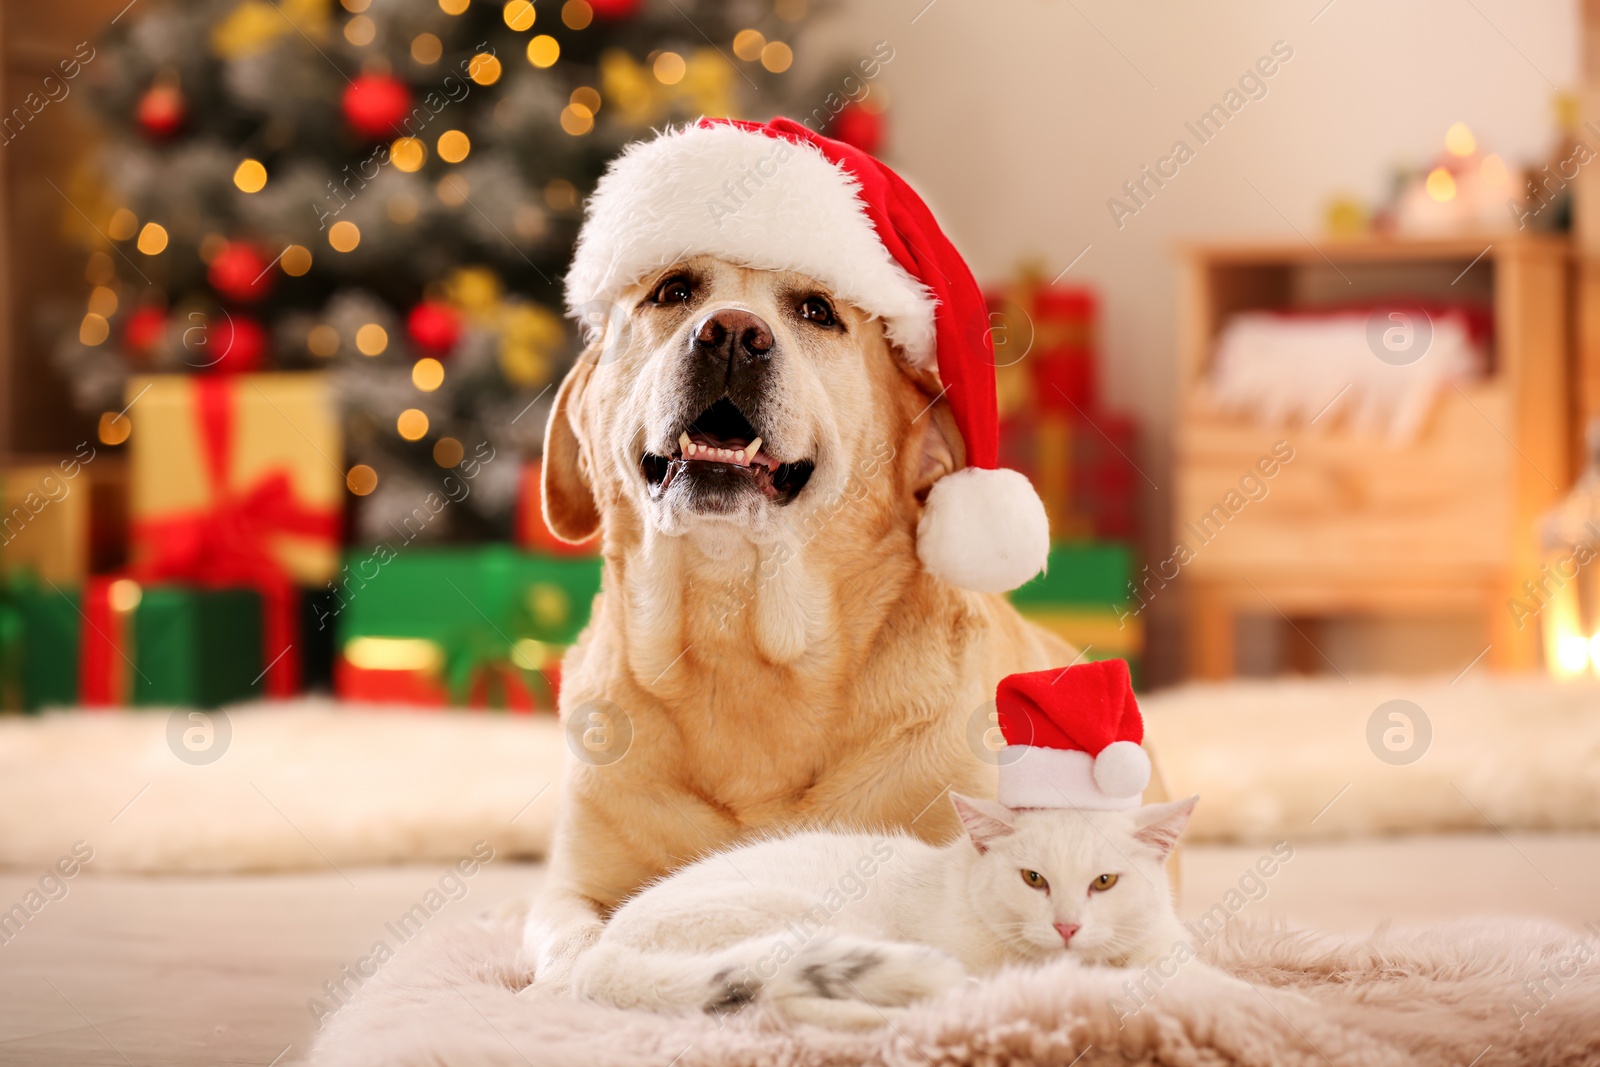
(835, 927)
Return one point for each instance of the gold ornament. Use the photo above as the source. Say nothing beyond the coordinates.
(475, 290)
(256, 25)
(529, 334)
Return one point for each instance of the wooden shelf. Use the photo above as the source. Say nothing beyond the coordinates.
(1355, 523)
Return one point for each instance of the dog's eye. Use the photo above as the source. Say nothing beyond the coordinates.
(817, 310)
(677, 289)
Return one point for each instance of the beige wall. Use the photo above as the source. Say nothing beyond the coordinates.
(1020, 118)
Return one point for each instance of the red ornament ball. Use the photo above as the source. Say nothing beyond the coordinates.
(375, 105)
(240, 272)
(237, 344)
(434, 327)
(162, 111)
(614, 9)
(858, 128)
(144, 329)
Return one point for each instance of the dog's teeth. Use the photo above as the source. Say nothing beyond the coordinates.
(683, 443)
(752, 448)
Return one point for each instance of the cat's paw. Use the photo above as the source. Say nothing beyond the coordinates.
(882, 973)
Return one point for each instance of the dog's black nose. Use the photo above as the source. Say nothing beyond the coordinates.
(730, 333)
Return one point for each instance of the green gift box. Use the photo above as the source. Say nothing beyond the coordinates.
(169, 645)
(50, 625)
(197, 647)
(440, 592)
(1081, 574)
(464, 622)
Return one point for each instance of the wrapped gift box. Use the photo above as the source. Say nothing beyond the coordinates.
(1083, 597)
(481, 626)
(44, 520)
(215, 452)
(38, 645)
(236, 484)
(169, 645)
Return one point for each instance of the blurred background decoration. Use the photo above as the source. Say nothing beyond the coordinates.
(322, 245)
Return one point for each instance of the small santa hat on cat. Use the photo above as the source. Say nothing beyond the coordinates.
(1072, 739)
(776, 196)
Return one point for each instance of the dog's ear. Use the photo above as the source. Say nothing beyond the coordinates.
(569, 505)
(942, 450)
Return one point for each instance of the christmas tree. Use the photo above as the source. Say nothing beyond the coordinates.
(388, 189)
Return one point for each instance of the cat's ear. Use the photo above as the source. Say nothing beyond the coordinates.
(985, 820)
(1160, 825)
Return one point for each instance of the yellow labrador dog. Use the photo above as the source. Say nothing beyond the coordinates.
(768, 651)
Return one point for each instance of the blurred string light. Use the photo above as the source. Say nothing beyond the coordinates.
(427, 374)
(1459, 140)
(577, 120)
(669, 68)
(250, 176)
(408, 154)
(426, 49)
(94, 329)
(747, 45)
(454, 7)
(360, 31)
(452, 190)
(295, 261)
(543, 51)
(1494, 170)
(447, 452)
(412, 424)
(361, 479)
(123, 225)
(323, 341)
(103, 301)
(355, 7)
(153, 239)
(777, 56)
(344, 236)
(576, 14)
(560, 195)
(453, 146)
(1441, 185)
(484, 69)
(519, 15)
(114, 429)
(587, 96)
(372, 339)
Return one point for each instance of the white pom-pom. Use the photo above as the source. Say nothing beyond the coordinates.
(1122, 769)
(984, 530)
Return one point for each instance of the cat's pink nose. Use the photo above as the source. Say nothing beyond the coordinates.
(1066, 930)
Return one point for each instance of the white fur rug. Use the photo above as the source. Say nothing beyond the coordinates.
(300, 785)
(1269, 758)
(309, 783)
(1452, 996)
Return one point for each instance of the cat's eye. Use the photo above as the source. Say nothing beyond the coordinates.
(816, 310)
(1035, 880)
(676, 289)
(1102, 883)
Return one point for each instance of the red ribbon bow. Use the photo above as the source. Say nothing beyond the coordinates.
(223, 545)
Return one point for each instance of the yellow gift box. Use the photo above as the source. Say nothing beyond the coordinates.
(196, 441)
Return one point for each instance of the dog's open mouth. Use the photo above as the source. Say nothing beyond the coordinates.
(718, 454)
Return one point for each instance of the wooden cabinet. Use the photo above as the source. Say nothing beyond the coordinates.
(1354, 524)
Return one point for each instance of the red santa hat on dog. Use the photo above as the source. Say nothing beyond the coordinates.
(1072, 739)
(776, 196)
